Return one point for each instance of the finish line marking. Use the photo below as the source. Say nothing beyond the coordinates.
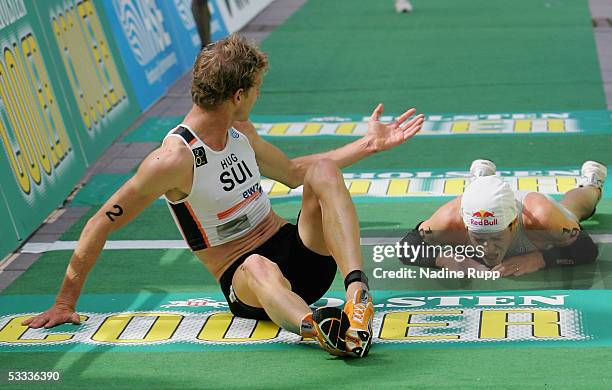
(434, 125)
(436, 183)
(194, 321)
(42, 247)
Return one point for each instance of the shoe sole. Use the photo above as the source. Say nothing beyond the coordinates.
(363, 337)
(596, 162)
(334, 320)
(597, 165)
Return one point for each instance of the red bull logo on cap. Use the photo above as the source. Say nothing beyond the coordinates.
(483, 218)
(483, 214)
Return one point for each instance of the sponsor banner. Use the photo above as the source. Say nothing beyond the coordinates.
(158, 41)
(218, 29)
(443, 124)
(182, 29)
(96, 86)
(237, 13)
(438, 183)
(41, 158)
(148, 44)
(184, 33)
(181, 322)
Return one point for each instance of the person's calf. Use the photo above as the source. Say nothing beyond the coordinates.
(266, 287)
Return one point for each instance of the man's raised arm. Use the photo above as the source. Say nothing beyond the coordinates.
(275, 164)
(160, 172)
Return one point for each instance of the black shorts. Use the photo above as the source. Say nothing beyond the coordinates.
(309, 273)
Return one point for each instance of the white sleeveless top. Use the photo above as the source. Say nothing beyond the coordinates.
(226, 199)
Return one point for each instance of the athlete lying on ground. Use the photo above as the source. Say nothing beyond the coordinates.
(208, 168)
(519, 232)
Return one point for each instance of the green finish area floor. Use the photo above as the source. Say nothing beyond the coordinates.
(340, 58)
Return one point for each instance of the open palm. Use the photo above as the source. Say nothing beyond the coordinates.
(385, 136)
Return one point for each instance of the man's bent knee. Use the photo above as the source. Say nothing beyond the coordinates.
(324, 173)
(263, 272)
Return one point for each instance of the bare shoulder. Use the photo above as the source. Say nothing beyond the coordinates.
(173, 160)
(446, 225)
(546, 223)
(539, 212)
(448, 216)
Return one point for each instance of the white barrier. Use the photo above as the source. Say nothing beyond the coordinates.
(237, 13)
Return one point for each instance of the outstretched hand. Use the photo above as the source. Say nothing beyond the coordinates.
(386, 136)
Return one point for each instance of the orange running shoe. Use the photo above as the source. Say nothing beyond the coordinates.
(360, 312)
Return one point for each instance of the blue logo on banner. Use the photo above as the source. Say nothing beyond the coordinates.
(158, 41)
(147, 45)
(218, 29)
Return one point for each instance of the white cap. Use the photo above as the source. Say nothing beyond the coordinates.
(488, 205)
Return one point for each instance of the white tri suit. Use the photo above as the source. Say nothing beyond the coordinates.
(227, 204)
(226, 198)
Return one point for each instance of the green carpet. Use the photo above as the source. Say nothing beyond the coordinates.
(339, 58)
(554, 368)
(458, 152)
(376, 219)
(345, 56)
(178, 270)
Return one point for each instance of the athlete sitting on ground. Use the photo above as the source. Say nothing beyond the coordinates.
(520, 232)
(208, 168)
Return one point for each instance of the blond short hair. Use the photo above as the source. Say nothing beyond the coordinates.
(224, 67)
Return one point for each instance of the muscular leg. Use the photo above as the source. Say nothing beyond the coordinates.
(258, 282)
(328, 222)
(581, 201)
(328, 225)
